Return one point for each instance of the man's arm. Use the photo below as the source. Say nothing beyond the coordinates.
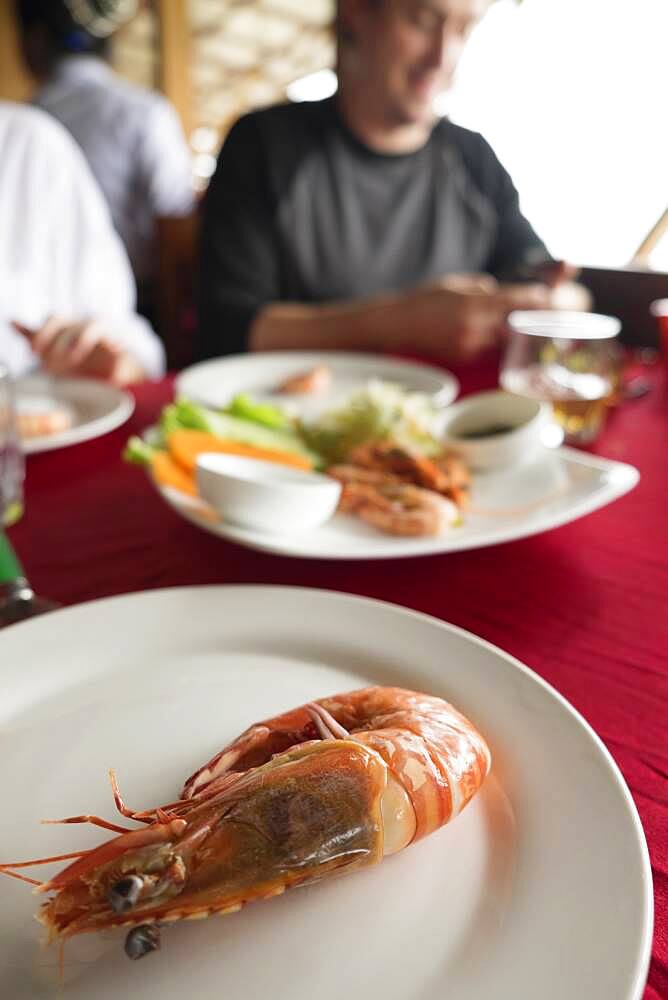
(454, 319)
(368, 325)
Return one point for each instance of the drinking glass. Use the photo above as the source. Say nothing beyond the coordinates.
(569, 359)
(17, 599)
(659, 308)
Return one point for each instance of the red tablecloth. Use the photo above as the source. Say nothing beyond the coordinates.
(585, 605)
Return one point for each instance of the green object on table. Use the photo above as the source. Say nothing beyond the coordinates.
(10, 567)
(13, 513)
(138, 451)
(186, 415)
(247, 408)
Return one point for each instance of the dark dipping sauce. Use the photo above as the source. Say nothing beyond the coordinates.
(492, 431)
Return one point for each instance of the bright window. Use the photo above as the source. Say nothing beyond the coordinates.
(573, 96)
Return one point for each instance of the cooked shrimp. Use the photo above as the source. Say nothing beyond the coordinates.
(458, 478)
(327, 788)
(316, 380)
(409, 465)
(446, 474)
(38, 422)
(346, 474)
(396, 508)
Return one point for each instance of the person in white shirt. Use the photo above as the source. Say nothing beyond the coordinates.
(131, 137)
(67, 295)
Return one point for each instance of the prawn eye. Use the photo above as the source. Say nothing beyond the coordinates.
(124, 894)
(142, 940)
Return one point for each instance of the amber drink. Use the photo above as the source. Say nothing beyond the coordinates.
(568, 359)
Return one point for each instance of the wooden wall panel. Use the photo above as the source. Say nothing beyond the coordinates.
(15, 82)
(174, 57)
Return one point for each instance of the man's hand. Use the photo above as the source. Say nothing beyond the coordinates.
(559, 277)
(463, 315)
(65, 347)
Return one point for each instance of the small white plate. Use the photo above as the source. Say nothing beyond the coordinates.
(563, 485)
(96, 406)
(541, 888)
(215, 383)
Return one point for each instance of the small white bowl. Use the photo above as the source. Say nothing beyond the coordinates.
(265, 496)
(496, 429)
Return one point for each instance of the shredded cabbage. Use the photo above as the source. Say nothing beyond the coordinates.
(378, 411)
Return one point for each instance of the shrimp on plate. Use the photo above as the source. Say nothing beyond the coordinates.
(446, 474)
(393, 506)
(324, 789)
(401, 492)
(316, 380)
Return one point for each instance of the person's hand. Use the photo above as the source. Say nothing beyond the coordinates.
(559, 277)
(65, 347)
(463, 315)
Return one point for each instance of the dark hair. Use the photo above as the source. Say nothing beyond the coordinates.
(342, 33)
(65, 34)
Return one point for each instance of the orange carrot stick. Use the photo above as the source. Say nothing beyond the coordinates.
(167, 472)
(185, 445)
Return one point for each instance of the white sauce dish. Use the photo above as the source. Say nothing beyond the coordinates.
(496, 429)
(266, 496)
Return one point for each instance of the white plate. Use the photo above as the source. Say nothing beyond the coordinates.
(541, 888)
(214, 383)
(561, 487)
(96, 406)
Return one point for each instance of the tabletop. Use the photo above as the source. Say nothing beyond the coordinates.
(583, 605)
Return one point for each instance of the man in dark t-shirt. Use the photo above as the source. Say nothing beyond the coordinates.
(363, 222)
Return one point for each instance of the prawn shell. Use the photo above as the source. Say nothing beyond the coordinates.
(309, 813)
(432, 750)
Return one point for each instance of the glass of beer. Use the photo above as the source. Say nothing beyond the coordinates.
(570, 359)
(660, 310)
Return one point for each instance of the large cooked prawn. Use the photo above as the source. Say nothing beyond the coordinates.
(446, 473)
(401, 492)
(392, 505)
(327, 788)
